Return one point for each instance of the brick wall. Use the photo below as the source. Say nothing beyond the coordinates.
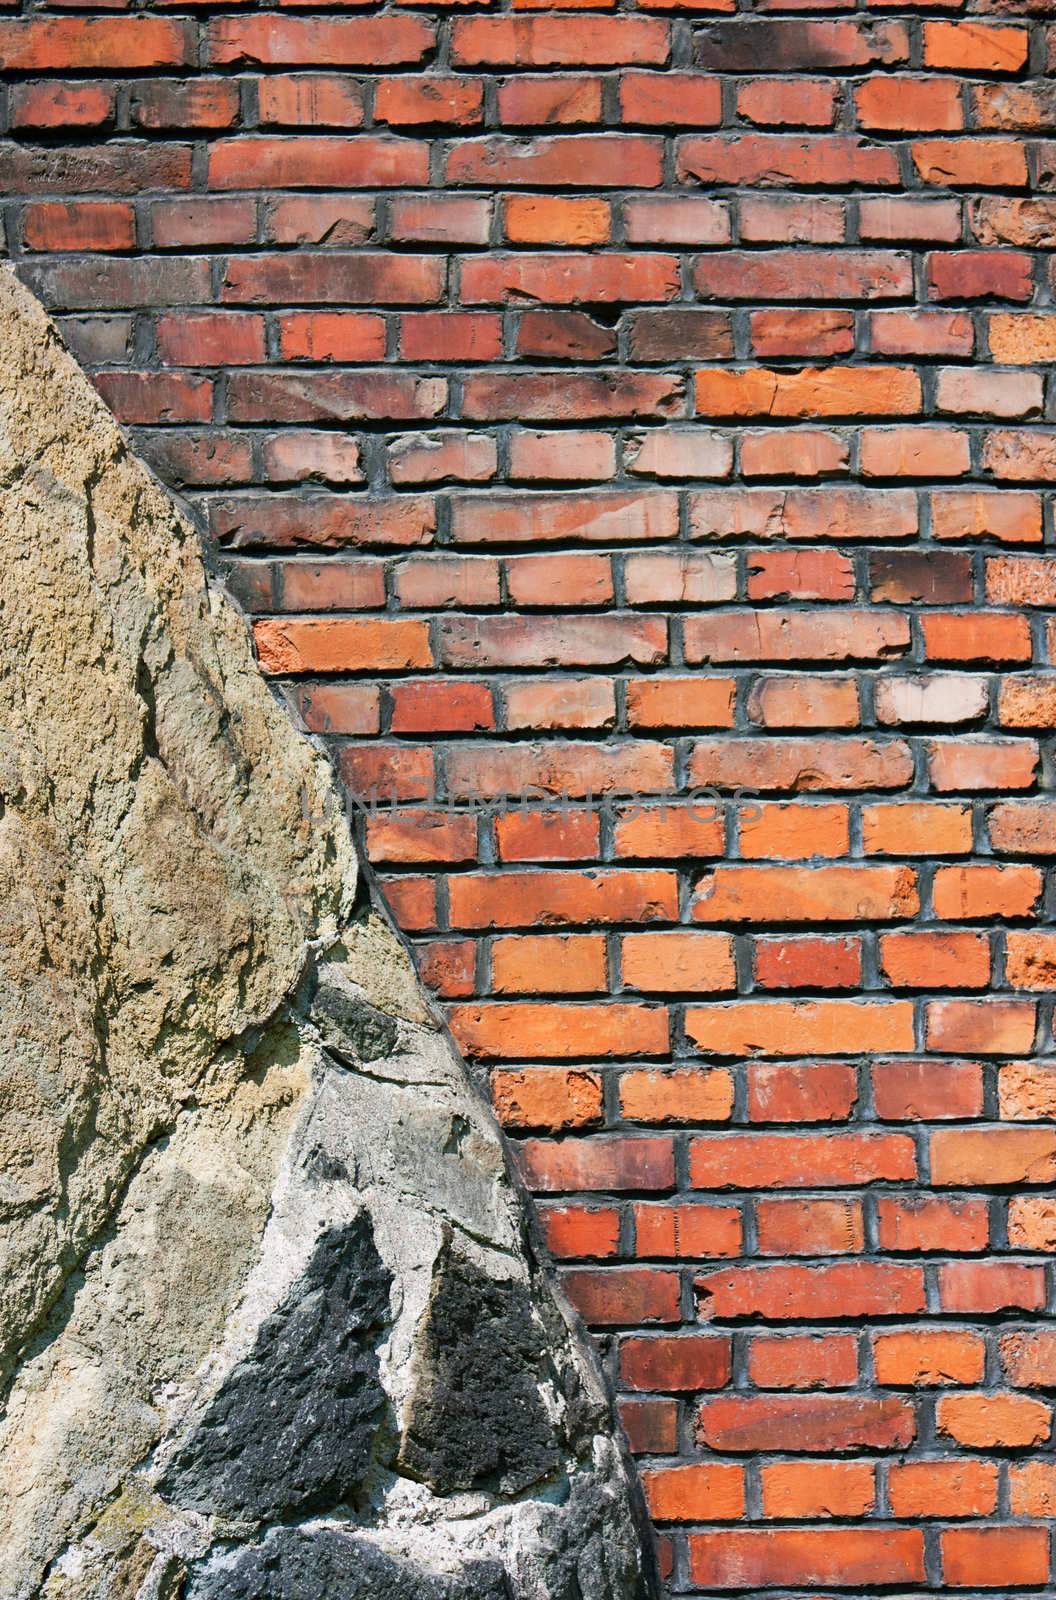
(636, 404)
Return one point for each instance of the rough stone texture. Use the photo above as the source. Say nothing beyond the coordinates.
(249, 1197)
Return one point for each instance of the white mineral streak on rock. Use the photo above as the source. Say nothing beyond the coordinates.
(270, 1321)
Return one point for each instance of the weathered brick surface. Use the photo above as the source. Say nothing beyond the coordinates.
(648, 409)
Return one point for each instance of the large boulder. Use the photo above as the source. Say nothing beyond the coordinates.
(271, 1320)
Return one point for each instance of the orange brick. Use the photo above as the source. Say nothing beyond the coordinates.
(547, 1097)
(684, 1094)
(815, 1489)
(677, 962)
(689, 1232)
(711, 1492)
(953, 1488)
(929, 1356)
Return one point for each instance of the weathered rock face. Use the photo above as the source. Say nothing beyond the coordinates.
(270, 1321)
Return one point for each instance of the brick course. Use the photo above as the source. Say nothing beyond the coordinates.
(646, 410)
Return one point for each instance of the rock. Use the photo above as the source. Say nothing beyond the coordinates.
(254, 1219)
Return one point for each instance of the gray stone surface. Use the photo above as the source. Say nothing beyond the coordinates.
(249, 1196)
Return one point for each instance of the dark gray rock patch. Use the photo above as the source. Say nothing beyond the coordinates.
(293, 1427)
(353, 1028)
(477, 1418)
(325, 1564)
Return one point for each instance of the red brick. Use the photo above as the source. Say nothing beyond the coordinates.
(666, 832)
(984, 1027)
(651, 1426)
(440, 708)
(815, 1423)
(920, 1222)
(803, 1361)
(559, 41)
(975, 636)
(804, 702)
(309, 162)
(1011, 1557)
(793, 831)
(808, 963)
(198, 103)
(310, 100)
(789, 275)
(1028, 1357)
(700, 1492)
(560, 580)
(793, 452)
(443, 457)
(921, 333)
(439, 219)
(564, 336)
(340, 707)
(669, 99)
(819, 1092)
(788, 102)
(331, 336)
(928, 1091)
(986, 1286)
(697, 702)
(93, 44)
(799, 1161)
(1032, 1484)
(60, 105)
(567, 703)
(319, 41)
(538, 102)
(416, 837)
(680, 453)
(971, 163)
(547, 836)
(847, 635)
(208, 338)
(980, 275)
(796, 1227)
(781, 218)
(447, 966)
(786, 160)
(153, 397)
(542, 219)
(687, 1232)
(580, 1232)
(406, 101)
(737, 1557)
(79, 225)
(812, 392)
(802, 333)
(337, 644)
(338, 585)
(906, 217)
(675, 1363)
(622, 1296)
(584, 161)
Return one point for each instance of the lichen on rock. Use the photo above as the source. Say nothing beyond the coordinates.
(250, 1199)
